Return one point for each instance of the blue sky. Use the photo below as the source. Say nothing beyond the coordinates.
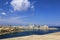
(40, 12)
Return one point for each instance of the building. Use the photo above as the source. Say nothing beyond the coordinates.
(44, 27)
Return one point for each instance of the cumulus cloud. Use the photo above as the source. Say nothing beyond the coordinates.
(3, 13)
(20, 4)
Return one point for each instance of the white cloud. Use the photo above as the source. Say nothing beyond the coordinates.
(13, 20)
(6, 3)
(3, 13)
(32, 7)
(21, 4)
(11, 11)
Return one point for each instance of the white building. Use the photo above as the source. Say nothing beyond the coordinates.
(44, 27)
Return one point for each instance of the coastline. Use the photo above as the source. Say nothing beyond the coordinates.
(27, 30)
(52, 36)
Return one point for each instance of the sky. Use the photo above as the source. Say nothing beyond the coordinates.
(39, 12)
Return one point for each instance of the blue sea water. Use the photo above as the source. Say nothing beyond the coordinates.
(26, 33)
